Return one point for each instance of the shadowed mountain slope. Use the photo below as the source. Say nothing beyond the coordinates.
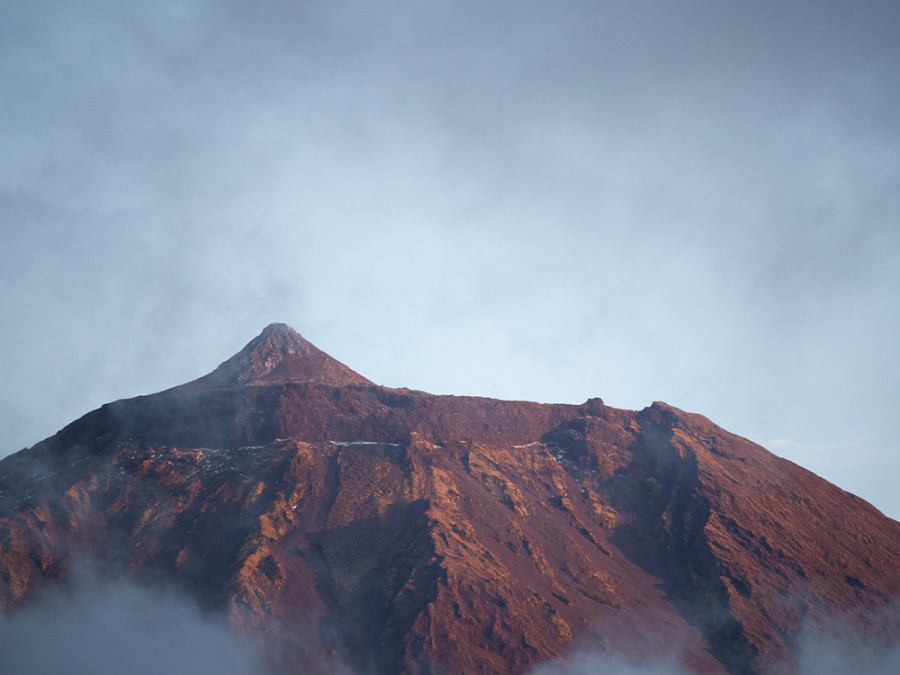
(349, 526)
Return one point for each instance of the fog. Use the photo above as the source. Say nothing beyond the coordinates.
(102, 626)
(820, 647)
(694, 202)
(606, 664)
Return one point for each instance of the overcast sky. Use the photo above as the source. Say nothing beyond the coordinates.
(695, 202)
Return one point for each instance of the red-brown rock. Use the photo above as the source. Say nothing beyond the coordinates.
(343, 524)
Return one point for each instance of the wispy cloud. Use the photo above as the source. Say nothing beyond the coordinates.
(107, 627)
(693, 203)
(586, 663)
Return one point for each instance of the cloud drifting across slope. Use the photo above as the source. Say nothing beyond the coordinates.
(586, 663)
(692, 202)
(819, 649)
(95, 625)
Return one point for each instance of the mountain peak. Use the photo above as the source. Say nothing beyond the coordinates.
(278, 355)
(283, 330)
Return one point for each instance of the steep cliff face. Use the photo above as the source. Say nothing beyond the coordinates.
(346, 525)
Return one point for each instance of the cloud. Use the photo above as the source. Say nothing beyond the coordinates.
(818, 655)
(829, 646)
(824, 656)
(101, 626)
(694, 202)
(863, 644)
(601, 664)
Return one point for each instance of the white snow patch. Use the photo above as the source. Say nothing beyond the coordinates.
(369, 443)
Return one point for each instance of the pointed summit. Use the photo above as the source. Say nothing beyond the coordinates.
(278, 355)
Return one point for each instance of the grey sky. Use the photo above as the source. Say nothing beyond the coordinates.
(696, 202)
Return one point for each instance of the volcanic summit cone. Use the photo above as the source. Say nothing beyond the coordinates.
(350, 526)
(280, 355)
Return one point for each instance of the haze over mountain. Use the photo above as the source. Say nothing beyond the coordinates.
(691, 201)
(343, 526)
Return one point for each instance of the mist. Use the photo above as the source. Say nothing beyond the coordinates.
(91, 624)
(824, 645)
(693, 202)
(606, 664)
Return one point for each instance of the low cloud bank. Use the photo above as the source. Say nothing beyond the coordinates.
(585, 663)
(107, 627)
(830, 659)
(817, 658)
(111, 627)
(821, 648)
(821, 651)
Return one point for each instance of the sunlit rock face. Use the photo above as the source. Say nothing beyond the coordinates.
(347, 527)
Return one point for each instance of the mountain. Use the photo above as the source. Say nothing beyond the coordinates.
(349, 527)
(278, 355)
